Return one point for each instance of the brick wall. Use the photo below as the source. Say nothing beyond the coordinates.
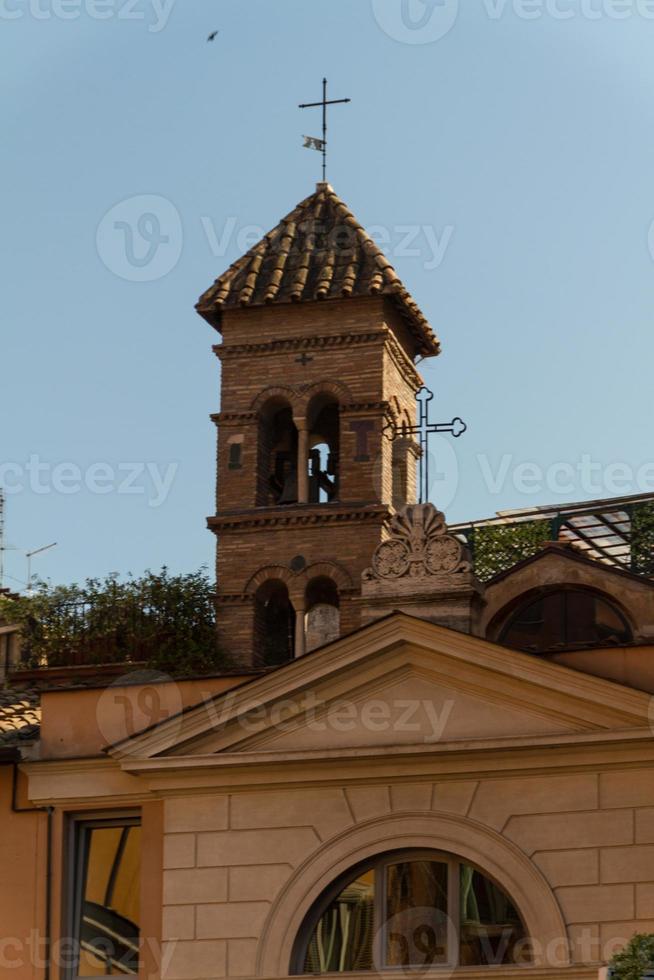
(363, 349)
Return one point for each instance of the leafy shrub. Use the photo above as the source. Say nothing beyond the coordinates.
(165, 621)
(636, 960)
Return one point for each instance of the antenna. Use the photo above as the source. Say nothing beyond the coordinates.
(3, 545)
(29, 555)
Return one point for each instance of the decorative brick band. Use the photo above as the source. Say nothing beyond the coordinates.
(224, 351)
(253, 520)
(403, 363)
(233, 418)
(385, 335)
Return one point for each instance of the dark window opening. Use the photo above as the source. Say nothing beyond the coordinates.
(566, 619)
(235, 455)
(274, 625)
(278, 446)
(322, 591)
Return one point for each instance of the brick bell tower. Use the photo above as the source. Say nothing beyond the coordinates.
(319, 342)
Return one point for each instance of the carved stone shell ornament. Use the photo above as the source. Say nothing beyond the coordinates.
(419, 546)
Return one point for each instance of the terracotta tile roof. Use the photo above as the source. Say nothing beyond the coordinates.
(20, 717)
(317, 252)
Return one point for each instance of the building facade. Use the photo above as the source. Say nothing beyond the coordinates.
(412, 767)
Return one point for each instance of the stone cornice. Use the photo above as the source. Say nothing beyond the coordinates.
(302, 516)
(467, 758)
(82, 782)
(95, 781)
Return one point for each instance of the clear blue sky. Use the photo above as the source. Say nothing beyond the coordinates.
(524, 146)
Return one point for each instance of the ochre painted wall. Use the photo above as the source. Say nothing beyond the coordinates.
(81, 723)
(22, 895)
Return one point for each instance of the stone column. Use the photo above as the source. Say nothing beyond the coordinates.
(302, 462)
(300, 633)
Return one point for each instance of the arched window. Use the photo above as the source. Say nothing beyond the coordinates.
(278, 446)
(274, 624)
(411, 909)
(324, 424)
(322, 618)
(565, 619)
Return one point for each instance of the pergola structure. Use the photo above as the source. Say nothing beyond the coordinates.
(618, 531)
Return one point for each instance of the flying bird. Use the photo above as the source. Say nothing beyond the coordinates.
(213, 35)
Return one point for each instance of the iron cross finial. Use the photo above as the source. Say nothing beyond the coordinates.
(423, 430)
(310, 141)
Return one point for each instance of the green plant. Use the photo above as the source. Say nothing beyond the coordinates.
(642, 538)
(166, 621)
(636, 960)
(499, 547)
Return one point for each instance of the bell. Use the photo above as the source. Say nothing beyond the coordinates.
(289, 491)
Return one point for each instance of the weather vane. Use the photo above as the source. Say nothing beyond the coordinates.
(311, 142)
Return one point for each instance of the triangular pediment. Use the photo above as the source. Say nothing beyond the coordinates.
(397, 683)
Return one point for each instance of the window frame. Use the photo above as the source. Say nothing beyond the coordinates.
(524, 603)
(380, 864)
(76, 855)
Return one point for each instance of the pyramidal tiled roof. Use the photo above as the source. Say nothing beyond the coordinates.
(317, 252)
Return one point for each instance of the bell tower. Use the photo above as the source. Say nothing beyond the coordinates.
(319, 343)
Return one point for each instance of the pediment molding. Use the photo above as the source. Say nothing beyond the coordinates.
(374, 655)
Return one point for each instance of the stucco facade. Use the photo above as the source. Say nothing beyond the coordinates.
(405, 735)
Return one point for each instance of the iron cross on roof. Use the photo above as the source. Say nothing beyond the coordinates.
(424, 429)
(321, 145)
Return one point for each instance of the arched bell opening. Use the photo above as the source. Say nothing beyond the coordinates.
(323, 421)
(274, 624)
(278, 452)
(322, 619)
